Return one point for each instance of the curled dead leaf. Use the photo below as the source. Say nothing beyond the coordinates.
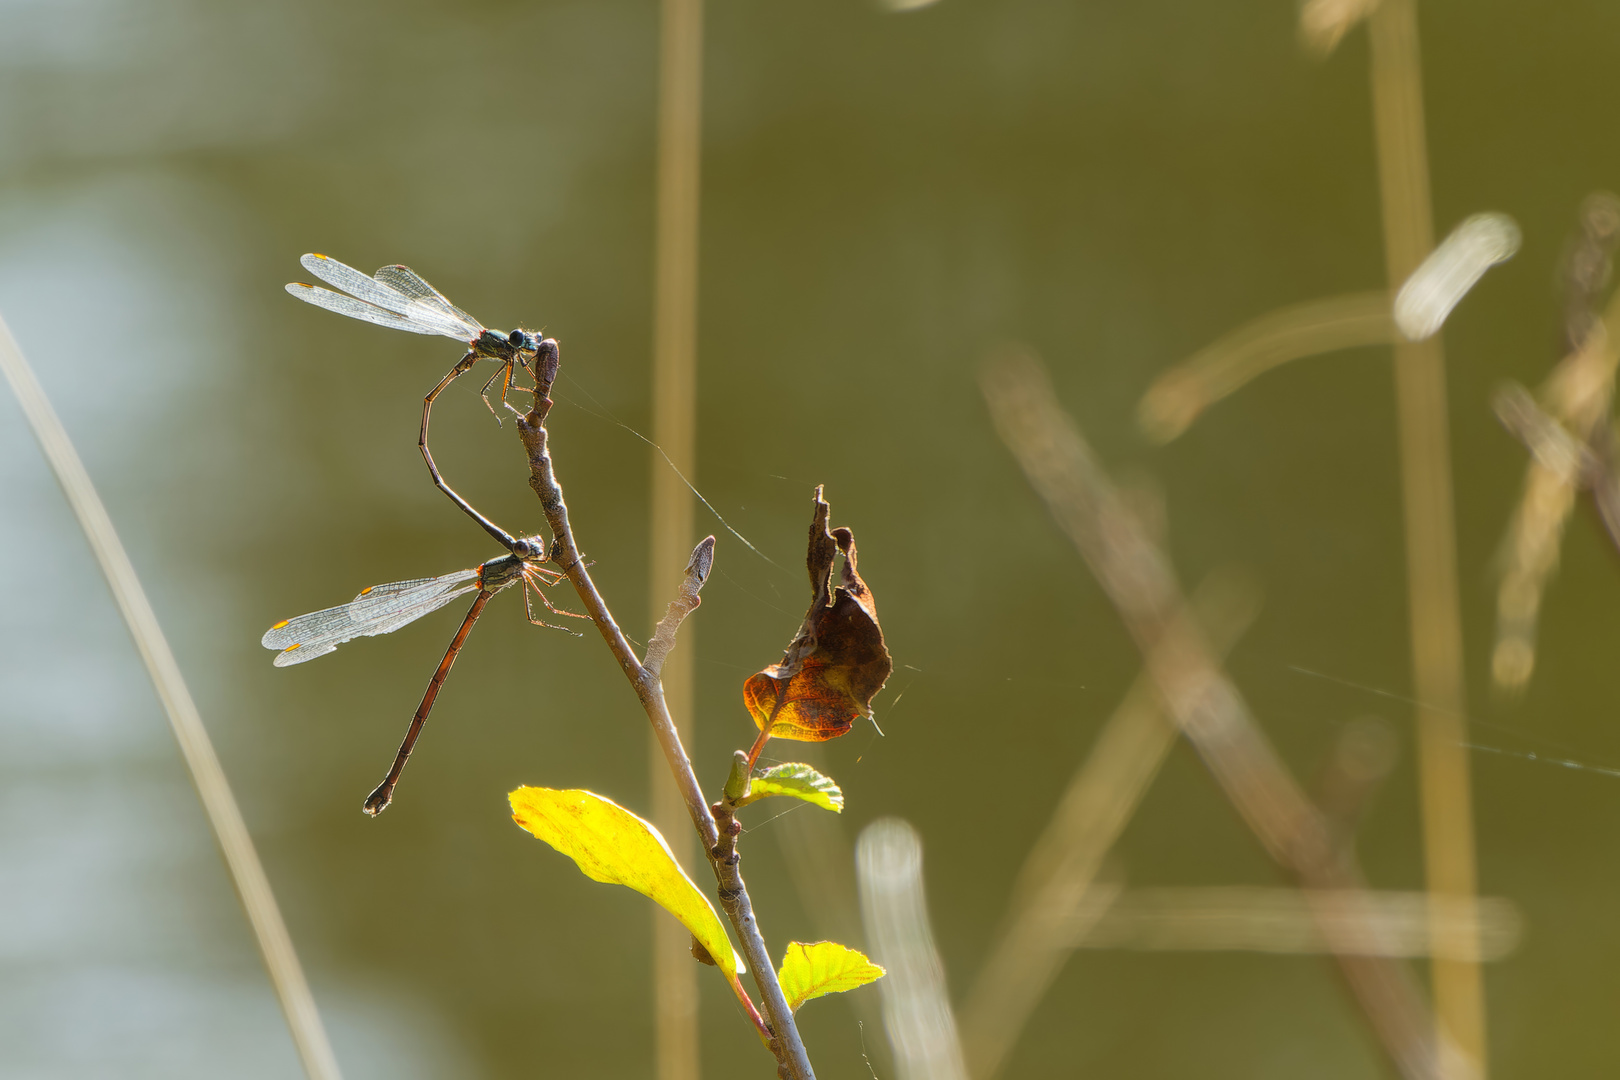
(837, 662)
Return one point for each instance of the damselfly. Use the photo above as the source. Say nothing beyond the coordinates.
(397, 296)
(383, 609)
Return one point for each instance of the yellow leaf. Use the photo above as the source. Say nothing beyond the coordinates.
(612, 845)
(808, 971)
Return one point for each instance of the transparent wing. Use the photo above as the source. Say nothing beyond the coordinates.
(414, 285)
(381, 609)
(359, 309)
(418, 312)
(355, 283)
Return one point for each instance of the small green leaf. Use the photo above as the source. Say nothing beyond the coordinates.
(612, 845)
(808, 971)
(801, 782)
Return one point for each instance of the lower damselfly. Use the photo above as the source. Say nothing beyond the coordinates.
(382, 609)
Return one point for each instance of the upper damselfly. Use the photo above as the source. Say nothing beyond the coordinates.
(399, 297)
(383, 609)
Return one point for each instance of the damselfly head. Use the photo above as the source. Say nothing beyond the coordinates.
(530, 547)
(524, 340)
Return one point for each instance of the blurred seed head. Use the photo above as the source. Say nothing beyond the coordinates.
(1512, 663)
(1323, 23)
(1367, 749)
(1587, 263)
(1453, 268)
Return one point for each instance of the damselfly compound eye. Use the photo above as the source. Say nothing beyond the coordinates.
(518, 338)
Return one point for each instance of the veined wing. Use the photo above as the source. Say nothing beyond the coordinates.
(406, 292)
(359, 309)
(414, 285)
(355, 283)
(378, 302)
(380, 609)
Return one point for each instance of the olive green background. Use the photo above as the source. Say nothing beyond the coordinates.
(887, 197)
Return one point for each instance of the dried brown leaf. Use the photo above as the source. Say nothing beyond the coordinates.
(837, 662)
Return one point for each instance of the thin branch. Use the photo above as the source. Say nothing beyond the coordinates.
(224, 817)
(685, 602)
(719, 839)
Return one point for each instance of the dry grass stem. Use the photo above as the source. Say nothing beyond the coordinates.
(1060, 870)
(1204, 703)
(916, 1004)
(1181, 394)
(224, 817)
(1431, 545)
(1272, 920)
(674, 424)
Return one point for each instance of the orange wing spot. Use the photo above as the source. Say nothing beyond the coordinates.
(367, 589)
(290, 648)
(280, 624)
(317, 254)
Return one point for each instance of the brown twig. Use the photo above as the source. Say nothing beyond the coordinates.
(719, 839)
(1205, 704)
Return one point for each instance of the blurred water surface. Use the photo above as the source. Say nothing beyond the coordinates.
(887, 197)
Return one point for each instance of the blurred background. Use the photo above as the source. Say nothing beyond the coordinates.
(888, 196)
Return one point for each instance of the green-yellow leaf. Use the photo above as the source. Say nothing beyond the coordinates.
(808, 971)
(799, 781)
(612, 845)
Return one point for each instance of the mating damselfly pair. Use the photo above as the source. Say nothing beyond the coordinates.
(397, 296)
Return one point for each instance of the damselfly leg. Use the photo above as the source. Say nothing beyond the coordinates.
(533, 577)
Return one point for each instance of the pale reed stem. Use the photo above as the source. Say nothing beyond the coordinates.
(674, 397)
(230, 831)
(1431, 547)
